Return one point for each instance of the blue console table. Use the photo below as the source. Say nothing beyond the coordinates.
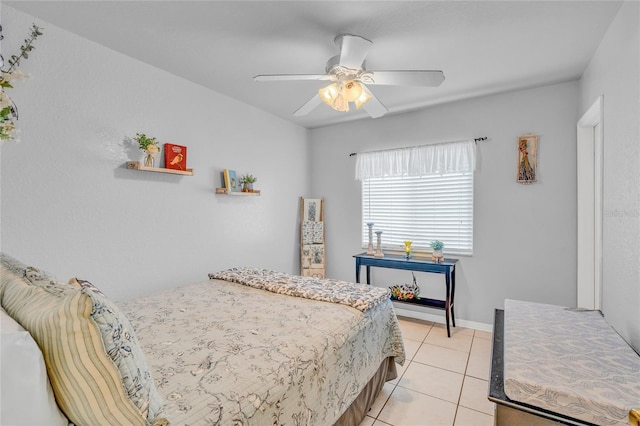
(446, 267)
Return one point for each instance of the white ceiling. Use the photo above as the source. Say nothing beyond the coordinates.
(483, 47)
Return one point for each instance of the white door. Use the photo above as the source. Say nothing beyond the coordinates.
(589, 174)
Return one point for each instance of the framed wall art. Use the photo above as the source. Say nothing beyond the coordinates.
(527, 158)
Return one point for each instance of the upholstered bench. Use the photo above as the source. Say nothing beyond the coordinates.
(559, 365)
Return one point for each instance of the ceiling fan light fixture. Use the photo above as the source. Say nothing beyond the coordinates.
(338, 95)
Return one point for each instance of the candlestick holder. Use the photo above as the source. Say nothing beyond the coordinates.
(370, 247)
(379, 244)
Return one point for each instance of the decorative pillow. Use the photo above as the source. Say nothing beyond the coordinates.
(121, 345)
(84, 378)
(19, 268)
(34, 275)
(27, 398)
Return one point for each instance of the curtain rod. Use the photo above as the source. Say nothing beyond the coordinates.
(476, 140)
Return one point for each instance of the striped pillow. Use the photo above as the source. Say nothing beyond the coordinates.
(84, 379)
(121, 345)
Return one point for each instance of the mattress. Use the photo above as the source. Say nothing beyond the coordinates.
(569, 362)
(224, 353)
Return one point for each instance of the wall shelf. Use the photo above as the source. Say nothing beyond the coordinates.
(225, 191)
(135, 165)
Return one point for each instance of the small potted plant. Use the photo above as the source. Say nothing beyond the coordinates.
(437, 247)
(247, 182)
(149, 146)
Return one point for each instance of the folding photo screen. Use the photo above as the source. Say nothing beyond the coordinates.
(312, 248)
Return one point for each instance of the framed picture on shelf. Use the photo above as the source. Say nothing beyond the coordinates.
(231, 180)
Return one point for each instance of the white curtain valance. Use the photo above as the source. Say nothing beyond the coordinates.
(448, 157)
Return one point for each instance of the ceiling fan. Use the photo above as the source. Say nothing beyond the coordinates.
(349, 79)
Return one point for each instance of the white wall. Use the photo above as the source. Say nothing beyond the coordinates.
(70, 206)
(524, 235)
(614, 71)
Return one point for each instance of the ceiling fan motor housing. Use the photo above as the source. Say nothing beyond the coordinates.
(334, 62)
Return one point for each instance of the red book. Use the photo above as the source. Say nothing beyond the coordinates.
(175, 156)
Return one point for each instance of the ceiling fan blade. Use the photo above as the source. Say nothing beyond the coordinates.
(353, 50)
(427, 78)
(308, 107)
(373, 106)
(286, 77)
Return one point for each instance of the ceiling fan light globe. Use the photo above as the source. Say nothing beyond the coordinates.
(329, 94)
(351, 90)
(341, 104)
(363, 99)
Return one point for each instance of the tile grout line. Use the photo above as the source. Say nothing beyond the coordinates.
(464, 377)
(411, 361)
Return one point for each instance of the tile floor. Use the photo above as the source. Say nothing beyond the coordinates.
(444, 381)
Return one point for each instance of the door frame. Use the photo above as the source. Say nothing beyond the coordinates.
(590, 141)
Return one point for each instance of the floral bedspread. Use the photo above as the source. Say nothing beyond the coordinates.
(360, 296)
(223, 353)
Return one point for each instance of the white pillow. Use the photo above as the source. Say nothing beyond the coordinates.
(26, 397)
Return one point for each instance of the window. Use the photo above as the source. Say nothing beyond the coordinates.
(421, 193)
(420, 209)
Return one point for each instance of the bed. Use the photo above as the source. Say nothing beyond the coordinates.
(226, 352)
(555, 365)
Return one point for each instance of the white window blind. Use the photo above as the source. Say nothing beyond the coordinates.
(420, 209)
(419, 194)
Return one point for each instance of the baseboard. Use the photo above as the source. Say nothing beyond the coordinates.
(441, 319)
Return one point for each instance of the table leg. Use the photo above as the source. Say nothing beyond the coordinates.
(357, 270)
(453, 294)
(447, 303)
(368, 274)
